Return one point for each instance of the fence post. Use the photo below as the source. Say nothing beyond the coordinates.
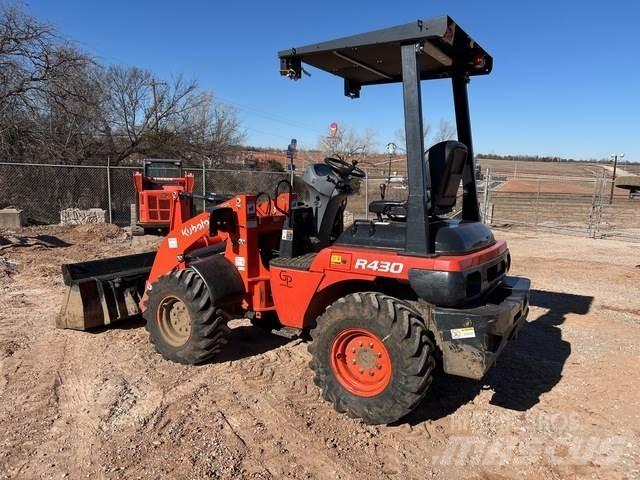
(109, 189)
(537, 204)
(204, 186)
(485, 196)
(592, 212)
(366, 194)
(600, 203)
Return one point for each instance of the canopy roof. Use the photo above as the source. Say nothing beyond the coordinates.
(374, 57)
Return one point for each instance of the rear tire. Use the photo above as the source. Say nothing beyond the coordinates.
(372, 357)
(183, 323)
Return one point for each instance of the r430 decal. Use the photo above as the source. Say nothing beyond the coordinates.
(379, 266)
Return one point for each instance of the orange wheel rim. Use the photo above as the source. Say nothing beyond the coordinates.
(361, 362)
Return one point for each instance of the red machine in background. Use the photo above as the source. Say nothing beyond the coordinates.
(159, 179)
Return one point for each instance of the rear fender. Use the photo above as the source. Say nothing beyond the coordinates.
(174, 248)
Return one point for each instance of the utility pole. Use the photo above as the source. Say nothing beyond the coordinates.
(391, 151)
(291, 155)
(614, 157)
(154, 84)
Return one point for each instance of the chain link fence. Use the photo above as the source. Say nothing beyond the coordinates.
(585, 206)
(576, 205)
(43, 190)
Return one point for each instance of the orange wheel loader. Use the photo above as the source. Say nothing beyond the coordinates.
(382, 300)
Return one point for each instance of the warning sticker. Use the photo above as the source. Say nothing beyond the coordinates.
(240, 263)
(458, 333)
(173, 242)
(287, 234)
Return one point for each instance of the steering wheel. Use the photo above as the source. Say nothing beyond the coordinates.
(344, 169)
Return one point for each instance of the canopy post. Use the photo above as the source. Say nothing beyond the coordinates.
(470, 210)
(417, 239)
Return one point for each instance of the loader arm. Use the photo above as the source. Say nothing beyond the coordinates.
(188, 237)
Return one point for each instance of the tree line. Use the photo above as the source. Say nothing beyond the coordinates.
(58, 104)
(538, 158)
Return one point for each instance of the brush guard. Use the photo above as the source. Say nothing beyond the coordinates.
(101, 292)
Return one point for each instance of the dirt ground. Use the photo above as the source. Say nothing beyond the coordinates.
(561, 403)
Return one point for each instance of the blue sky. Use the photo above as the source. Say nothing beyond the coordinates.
(565, 79)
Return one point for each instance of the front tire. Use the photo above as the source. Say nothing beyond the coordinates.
(183, 323)
(372, 357)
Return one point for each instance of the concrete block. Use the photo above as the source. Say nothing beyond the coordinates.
(11, 218)
(76, 216)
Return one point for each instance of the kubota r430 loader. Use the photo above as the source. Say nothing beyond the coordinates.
(383, 300)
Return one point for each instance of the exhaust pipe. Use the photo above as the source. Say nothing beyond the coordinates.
(101, 292)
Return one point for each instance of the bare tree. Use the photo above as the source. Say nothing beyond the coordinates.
(401, 139)
(347, 143)
(32, 58)
(135, 120)
(446, 131)
(211, 130)
(58, 105)
(46, 91)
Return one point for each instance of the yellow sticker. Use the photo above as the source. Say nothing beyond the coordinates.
(336, 259)
(458, 333)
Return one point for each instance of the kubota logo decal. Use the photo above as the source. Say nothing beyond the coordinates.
(191, 229)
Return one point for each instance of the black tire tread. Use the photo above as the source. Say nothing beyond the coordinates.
(208, 323)
(411, 339)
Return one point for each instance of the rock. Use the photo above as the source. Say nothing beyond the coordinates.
(76, 216)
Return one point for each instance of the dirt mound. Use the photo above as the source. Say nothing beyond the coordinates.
(101, 231)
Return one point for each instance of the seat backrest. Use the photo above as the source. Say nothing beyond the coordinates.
(446, 162)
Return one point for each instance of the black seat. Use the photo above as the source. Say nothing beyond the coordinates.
(446, 161)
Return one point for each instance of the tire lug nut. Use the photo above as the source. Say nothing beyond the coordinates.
(379, 367)
(353, 361)
(361, 344)
(362, 370)
(371, 345)
(371, 372)
(353, 350)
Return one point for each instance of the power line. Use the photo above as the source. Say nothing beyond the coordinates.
(268, 116)
(269, 133)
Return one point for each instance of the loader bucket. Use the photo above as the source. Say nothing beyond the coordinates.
(100, 292)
